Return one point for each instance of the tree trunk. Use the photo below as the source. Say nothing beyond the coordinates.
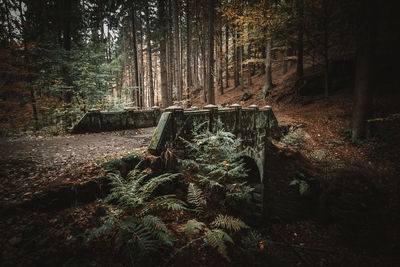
(163, 54)
(263, 55)
(189, 83)
(235, 59)
(204, 60)
(284, 61)
(210, 89)
(27, 64)
(141, 69)
(149, 56)
(177, 50)
(220, 72)
(67, 47)
(171, 57)
(364, 71)
(241, 49)
(268, 70)
(300, 64)
(226, 56)
(326, 60)
(249, 66)
(135, 93)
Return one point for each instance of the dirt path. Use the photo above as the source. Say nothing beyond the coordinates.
(30, 164)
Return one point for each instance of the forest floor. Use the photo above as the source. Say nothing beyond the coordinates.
(28, 165)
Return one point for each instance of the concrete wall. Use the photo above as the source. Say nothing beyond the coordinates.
(251, 124)
(100, 121)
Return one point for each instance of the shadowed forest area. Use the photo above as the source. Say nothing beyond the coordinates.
(329, 190)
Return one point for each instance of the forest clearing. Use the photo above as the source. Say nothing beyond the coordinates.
(199, 133)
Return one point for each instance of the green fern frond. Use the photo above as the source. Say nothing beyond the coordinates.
(195, 197)
(111, 221)
(229, 223)
(238, 192)
(154, 183)
(158, 227)
(134, 240)
(193, 227)
(168, 202)
(217, 238)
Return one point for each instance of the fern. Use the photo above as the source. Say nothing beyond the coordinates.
(229, 223)
(195, 197)
(218, 163)
(193, 227)
(138, 193)
(135, 240)
(111, 221)
(167, 202)
(158, 227)
(217, 238)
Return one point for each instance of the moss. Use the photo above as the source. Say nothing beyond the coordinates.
(112, 164)
(135, 155)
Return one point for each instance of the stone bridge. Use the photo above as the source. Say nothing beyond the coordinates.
(252, 125)
(101, 121)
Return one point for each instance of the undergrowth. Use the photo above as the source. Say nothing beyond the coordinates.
(146, 209)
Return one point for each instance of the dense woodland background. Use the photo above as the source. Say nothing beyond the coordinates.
(328, 68)
(62, 58)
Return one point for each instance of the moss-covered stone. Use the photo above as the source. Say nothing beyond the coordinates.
(112, 164)
(124, 164)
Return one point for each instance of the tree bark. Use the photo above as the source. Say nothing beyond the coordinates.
(326, 61)
(235, 59)
(189, 83)
(163, 54)
(226, 56)
(268, 70)
(141, 69)
(220, 68)
(135, 92)
(177, 50)
(210, 89)
(249, 66)
(300, 64)
(149, 56)
(364, 71)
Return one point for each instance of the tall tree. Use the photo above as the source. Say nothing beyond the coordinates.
(268, 66)
(300, 67)
(177, 48)
(364, 70)
(189, 82)
(149, 54)
(210, 89)
(163, 53)
(135, 92)
(226, 55)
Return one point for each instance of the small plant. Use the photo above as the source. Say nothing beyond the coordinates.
(218, 164)
(140, 233)
(196, 198)
(295, 137)
(229, 223)
(216, 238)
(304, 188)
(193, 227)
